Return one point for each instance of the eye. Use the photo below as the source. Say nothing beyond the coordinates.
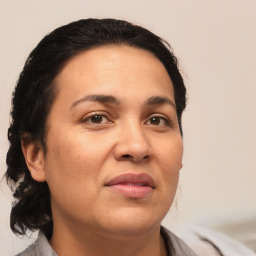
(96, 119)
(158, 120)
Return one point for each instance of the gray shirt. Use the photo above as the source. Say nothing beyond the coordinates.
(174, 245)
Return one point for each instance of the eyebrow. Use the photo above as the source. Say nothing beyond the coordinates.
(158, 100)
(109, 99)
(97, 98)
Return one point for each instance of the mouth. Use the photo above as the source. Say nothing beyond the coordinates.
(132, 185)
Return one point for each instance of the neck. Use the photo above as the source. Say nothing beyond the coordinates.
(87, 242)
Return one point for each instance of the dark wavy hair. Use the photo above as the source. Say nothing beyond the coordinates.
(35, 92)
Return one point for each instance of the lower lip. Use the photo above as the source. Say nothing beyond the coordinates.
(132, 191)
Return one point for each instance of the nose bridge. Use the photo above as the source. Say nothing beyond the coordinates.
(133, 142)
(136, 136)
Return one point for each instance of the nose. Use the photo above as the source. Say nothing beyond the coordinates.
(132, 144)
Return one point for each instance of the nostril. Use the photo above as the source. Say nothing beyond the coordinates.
(130, 157)
(127, 156)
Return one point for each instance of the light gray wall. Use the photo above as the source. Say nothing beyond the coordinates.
(216, 45)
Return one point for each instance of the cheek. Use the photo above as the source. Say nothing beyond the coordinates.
(70, 162)
(171, 153)
(170, 160)
(71, 176)
(72, 148)
(75, 160)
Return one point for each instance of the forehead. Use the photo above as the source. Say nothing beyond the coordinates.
(121, 69)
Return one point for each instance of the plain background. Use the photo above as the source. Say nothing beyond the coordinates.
(216, 45)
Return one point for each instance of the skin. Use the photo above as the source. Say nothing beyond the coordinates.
(128, 137)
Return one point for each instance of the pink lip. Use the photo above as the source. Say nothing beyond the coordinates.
(132, 185)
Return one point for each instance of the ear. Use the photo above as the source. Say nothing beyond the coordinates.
(34, 156)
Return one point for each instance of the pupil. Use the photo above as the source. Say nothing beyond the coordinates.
(155, 120)
(96, 119)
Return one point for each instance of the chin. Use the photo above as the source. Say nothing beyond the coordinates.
(132, 223)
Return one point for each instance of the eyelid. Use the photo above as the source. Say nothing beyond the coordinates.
(164, 117)
(96, 113)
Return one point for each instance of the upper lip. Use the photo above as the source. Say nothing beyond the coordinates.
(142, 178)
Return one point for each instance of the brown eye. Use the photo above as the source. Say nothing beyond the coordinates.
(97, 119)
(155, 120)
(158, 120)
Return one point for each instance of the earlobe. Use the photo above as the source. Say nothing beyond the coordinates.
(34, 156)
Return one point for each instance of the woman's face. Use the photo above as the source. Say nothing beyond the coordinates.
(114, 148)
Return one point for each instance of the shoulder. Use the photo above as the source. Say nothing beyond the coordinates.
(175, 245)
(208, 242)
(30, 251)
(40, 248)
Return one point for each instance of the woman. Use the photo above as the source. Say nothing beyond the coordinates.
(96, 142)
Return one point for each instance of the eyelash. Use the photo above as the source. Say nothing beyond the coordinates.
(162, 117)
(87, 118)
